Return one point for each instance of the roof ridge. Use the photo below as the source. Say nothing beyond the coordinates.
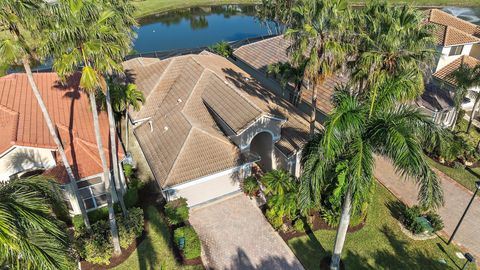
(454, 17)
(161, 76)
(179, 151)
(256, 42)
(84, 145)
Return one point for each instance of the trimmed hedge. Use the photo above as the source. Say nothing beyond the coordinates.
(177, 211)
(192, 247)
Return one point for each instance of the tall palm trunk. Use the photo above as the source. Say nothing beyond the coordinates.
(56, 140)
(113, 145)
(126, 127)
(341, 231)
(313, 114)
(106, 177)
(472, 114)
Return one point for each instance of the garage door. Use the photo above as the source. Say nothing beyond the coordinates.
(206, 189)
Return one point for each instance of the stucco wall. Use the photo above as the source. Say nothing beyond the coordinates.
(445, 59)
(475, 52)
(24, 158)
(263, 124)
(210, 187)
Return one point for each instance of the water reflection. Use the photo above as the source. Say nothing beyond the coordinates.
(469, 14)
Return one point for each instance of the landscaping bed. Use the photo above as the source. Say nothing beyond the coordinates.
(379, 245)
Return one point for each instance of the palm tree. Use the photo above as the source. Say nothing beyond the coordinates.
(318, 30)
(277, 182)
(392, 41)
(94, 37)
(289, 74)
(31, 236)
(19, 19)
(352, 136)
(465, 77)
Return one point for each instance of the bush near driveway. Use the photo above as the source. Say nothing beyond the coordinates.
(192, 246)
(177, 211)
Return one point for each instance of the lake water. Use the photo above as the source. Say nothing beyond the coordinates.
(204, 26)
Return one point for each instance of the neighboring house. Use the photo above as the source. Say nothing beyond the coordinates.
(27, 148)
(259, 55)
(205, 121)
(458, 42)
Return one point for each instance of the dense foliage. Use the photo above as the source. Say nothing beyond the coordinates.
(191, 246)
(222, 48)
(409, 218)
(177, 211)
(96, 246)
(250, 186)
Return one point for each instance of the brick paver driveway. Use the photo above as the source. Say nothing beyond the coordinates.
(235, 235)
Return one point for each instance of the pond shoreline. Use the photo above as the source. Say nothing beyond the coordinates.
(150, 7)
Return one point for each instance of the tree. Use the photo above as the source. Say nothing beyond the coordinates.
(318, 31)
(277, 12)
(31, 236)
(222, 48)
(93, 37)
(465, 77)
(18, 46)
(289, 74)
(392, 41)
(123, 96)
(352, 137)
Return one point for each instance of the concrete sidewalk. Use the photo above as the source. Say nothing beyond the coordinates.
(456, 200)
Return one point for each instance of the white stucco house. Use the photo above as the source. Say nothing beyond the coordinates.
(27, 148)
(206, 121)
(458, 42)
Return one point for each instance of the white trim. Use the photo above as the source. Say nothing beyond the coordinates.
(25, 147)
(205, 178)
(7, 151)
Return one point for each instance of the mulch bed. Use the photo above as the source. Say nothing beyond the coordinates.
(318, 224)
(147, 199)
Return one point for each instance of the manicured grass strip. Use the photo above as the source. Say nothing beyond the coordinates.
(148, 7)
(465, 177)
(155, 251)
(379, 245)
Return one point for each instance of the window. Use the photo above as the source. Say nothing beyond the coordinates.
(456, 50)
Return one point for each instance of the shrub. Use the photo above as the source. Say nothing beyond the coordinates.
(177, 211)
(98, 214)
(78, 223)
(128, 170)
(95, 245)
(192, 246)
(458, 165)
(250, 186)
(435, 220)
(409, 219)
(330, 217)
(299, 225)
(274, 218)
(131, 227)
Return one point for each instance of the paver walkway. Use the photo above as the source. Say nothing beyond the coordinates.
(235, 235)
(456, 200)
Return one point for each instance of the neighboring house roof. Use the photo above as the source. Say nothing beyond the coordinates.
(274, 50)
(22, 122)
(181, 139)
(444, 73)
(450, 30)
(436, 98)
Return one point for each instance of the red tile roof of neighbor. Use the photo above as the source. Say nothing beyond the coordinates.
(445, 72)
(450, 30)
(22, 123)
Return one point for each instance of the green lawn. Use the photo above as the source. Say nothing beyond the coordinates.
(148, 7)
(154, 252)
(379, 245)
(465, 177)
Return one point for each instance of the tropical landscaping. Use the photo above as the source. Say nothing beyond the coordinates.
(335, 214)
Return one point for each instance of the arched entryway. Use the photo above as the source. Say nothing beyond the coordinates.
(262, 145)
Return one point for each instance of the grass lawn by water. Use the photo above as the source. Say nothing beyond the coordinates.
(155, 251)
(379, 245)
(148, 7)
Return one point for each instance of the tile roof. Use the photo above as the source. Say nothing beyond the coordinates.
(274, 50)
(436, 98)
(22, 122)
(444, 73)
(450, 30)
(182, 140)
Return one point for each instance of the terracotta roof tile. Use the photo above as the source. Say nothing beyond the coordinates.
(69, 109)
(450, 30)
(444, 73)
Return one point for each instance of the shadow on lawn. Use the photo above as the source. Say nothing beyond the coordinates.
(242, 261)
